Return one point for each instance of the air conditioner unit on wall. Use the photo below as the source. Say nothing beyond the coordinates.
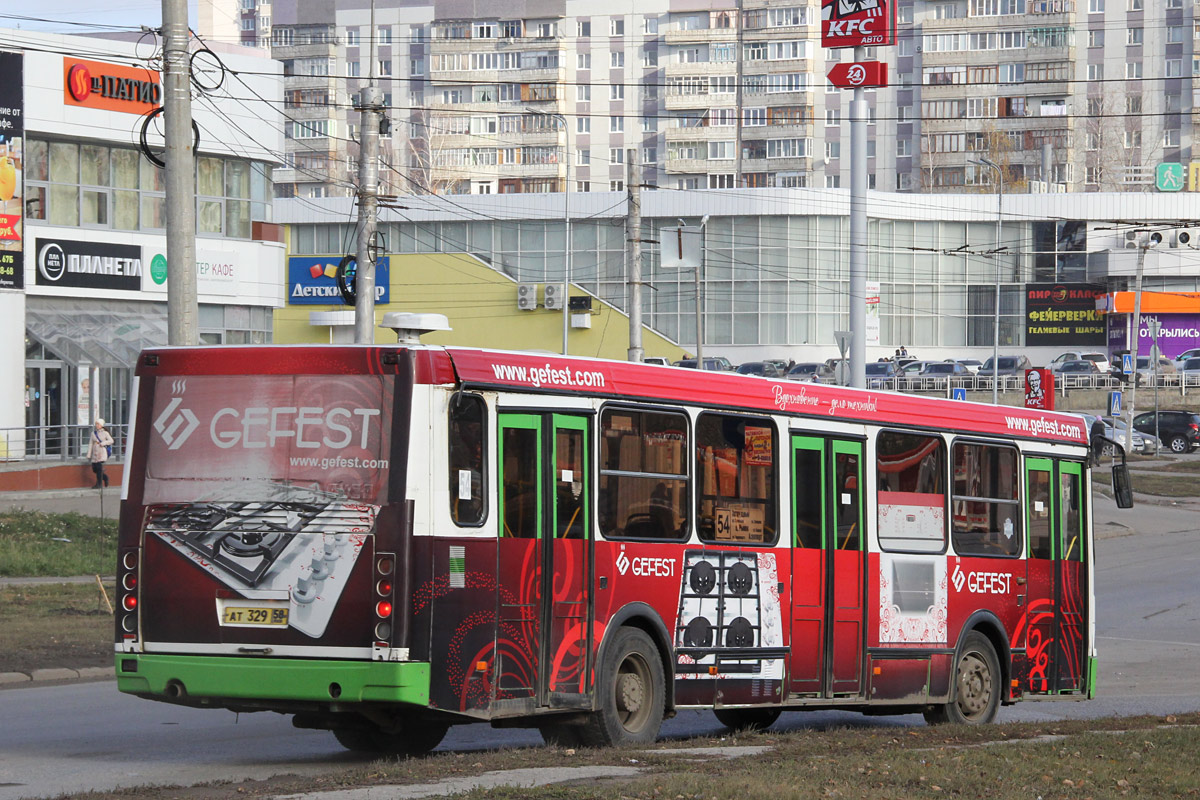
(1131, 240)
(552, 297)
(527, 296)
(1186, 237)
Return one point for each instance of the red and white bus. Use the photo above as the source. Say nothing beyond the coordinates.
(386, 541)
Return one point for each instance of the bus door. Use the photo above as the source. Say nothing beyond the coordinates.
(543, 573)
(827, 567)
(1056, 636)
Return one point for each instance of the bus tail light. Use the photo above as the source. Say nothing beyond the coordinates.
(385, 567)
(127, 584)
(383, 609)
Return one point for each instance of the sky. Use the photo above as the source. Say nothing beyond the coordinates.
(59, 14)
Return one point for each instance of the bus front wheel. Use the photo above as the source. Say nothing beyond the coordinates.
(632, 693)
(975, 696)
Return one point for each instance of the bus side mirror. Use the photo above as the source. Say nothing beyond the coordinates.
(1122, 490)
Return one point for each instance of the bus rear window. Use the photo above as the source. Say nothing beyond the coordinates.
(643, 474)
(276, 437)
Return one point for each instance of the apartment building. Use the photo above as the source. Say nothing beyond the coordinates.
(1063, 95)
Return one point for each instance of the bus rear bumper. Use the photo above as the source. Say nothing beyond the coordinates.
(196, 679)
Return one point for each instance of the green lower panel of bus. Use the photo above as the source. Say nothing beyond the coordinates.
(274, 679)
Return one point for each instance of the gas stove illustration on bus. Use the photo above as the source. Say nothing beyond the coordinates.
(730, 622)
(287, 558)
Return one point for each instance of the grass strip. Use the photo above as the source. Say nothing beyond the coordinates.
(36, 544)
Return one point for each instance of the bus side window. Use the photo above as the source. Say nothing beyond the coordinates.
(735, 473)
(466, 435)
(910, 472)
(643, 474)
(985, 507)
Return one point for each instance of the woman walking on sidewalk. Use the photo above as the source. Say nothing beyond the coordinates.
(99, 449)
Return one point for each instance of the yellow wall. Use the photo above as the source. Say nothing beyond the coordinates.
(481, 305)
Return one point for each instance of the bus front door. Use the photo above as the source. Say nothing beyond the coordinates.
(827, 567)
(1057, 613)
(544, 561)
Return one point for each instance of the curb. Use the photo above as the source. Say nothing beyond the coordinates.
(59, 674)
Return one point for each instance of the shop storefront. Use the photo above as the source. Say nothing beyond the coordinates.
(85, 231)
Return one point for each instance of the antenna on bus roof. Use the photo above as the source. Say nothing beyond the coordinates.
(409, 327)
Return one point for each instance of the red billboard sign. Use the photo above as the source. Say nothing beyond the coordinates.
(1039, 389)
(855, 74)
(858, 23)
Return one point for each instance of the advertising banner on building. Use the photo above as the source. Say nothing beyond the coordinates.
(1039, 389)
(88, 265)
(872, 320)
(110, 87)
(1177, 333)
(1063, 314)
(12, 197)
(312, 281)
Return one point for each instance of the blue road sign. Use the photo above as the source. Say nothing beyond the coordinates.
(960, 394)
(1114, 404)
(1127, 363)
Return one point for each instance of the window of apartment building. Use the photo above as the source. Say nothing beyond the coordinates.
(583, 156)
(789, 50)
(352, 69)
(789, 148)
(720, 20)
(1171, 137)
(509, 93)
(1095, 106)
(903, 147)
(833, 116)
(583, 124)
(946, 11)
(1133, 104)
(616, 91)
(583, 93)
(1174, 68)
(833, 181)
(547, 30)
(283, 37)
(1096, 37)
(944, 76)
(385, 34)
(790, 115)
(721, 181)
(616, 186)
(416, 67)
(1092, 174)
(1135, 5)
(511, 29)
(723, 52)
(352, 39)
(722, 84)
(649, 124)
(1095, 6)
(583, 61)
(788, 17)
(649, 155)
(385, 68)
(722, 117)
(1012, 73)
(483, 30)
(650, 25)
(689, 55)
(1174, 102)
(754, 117)
(616, 59)
(616, 124)
(789, 82)
(1133, 70)
(904, 113)
(1174, 3)
(755, 51)
(616, 155)
(1133, 139)
(583, 186)
(903, 182)
(616, 27)
(721, 151)
(995, 8)
(833, 150)
(583, 28)
(1175, 34)
(1133, 36)
(1091, 140)
(483, 94)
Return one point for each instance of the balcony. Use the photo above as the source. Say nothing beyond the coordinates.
(701, 36)
(682, 102)
(313, 82)
(701, 134)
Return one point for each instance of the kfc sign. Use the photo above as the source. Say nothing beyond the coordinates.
(858, 23)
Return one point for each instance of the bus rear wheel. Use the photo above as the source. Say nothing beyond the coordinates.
(747, 719)
(416, 738)
(632, 693)
(975, 696)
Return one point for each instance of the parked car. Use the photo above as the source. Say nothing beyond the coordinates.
(725, 363)
(1179, 430)
(1145, 370)
(712, 364)
(1099, 359)
(658, 360)
(936, 374)
(805, 370)
(907, 376)
(780, 363)
(1116, 432)
(764, 369)
(1190, 369)
(1008, 365)
(1186, 354)
(881, 374)
(972, 365)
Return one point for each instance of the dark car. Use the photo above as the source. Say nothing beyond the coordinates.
(1180, 430)
(1078, 368)
(880, 373)
(765, 369)
(805, 370)
(1009, 365)
(712, 364)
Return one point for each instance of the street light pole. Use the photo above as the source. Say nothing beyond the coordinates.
(987, 162)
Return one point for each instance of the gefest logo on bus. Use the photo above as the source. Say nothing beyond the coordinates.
(110, 87)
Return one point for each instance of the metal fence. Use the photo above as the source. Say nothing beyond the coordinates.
(56, 442)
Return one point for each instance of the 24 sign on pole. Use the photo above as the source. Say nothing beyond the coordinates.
(858, 23)
(851, 75)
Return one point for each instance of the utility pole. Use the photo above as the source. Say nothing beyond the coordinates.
(183, 311)
(858, 232)
(633, 250)
(368, 200)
